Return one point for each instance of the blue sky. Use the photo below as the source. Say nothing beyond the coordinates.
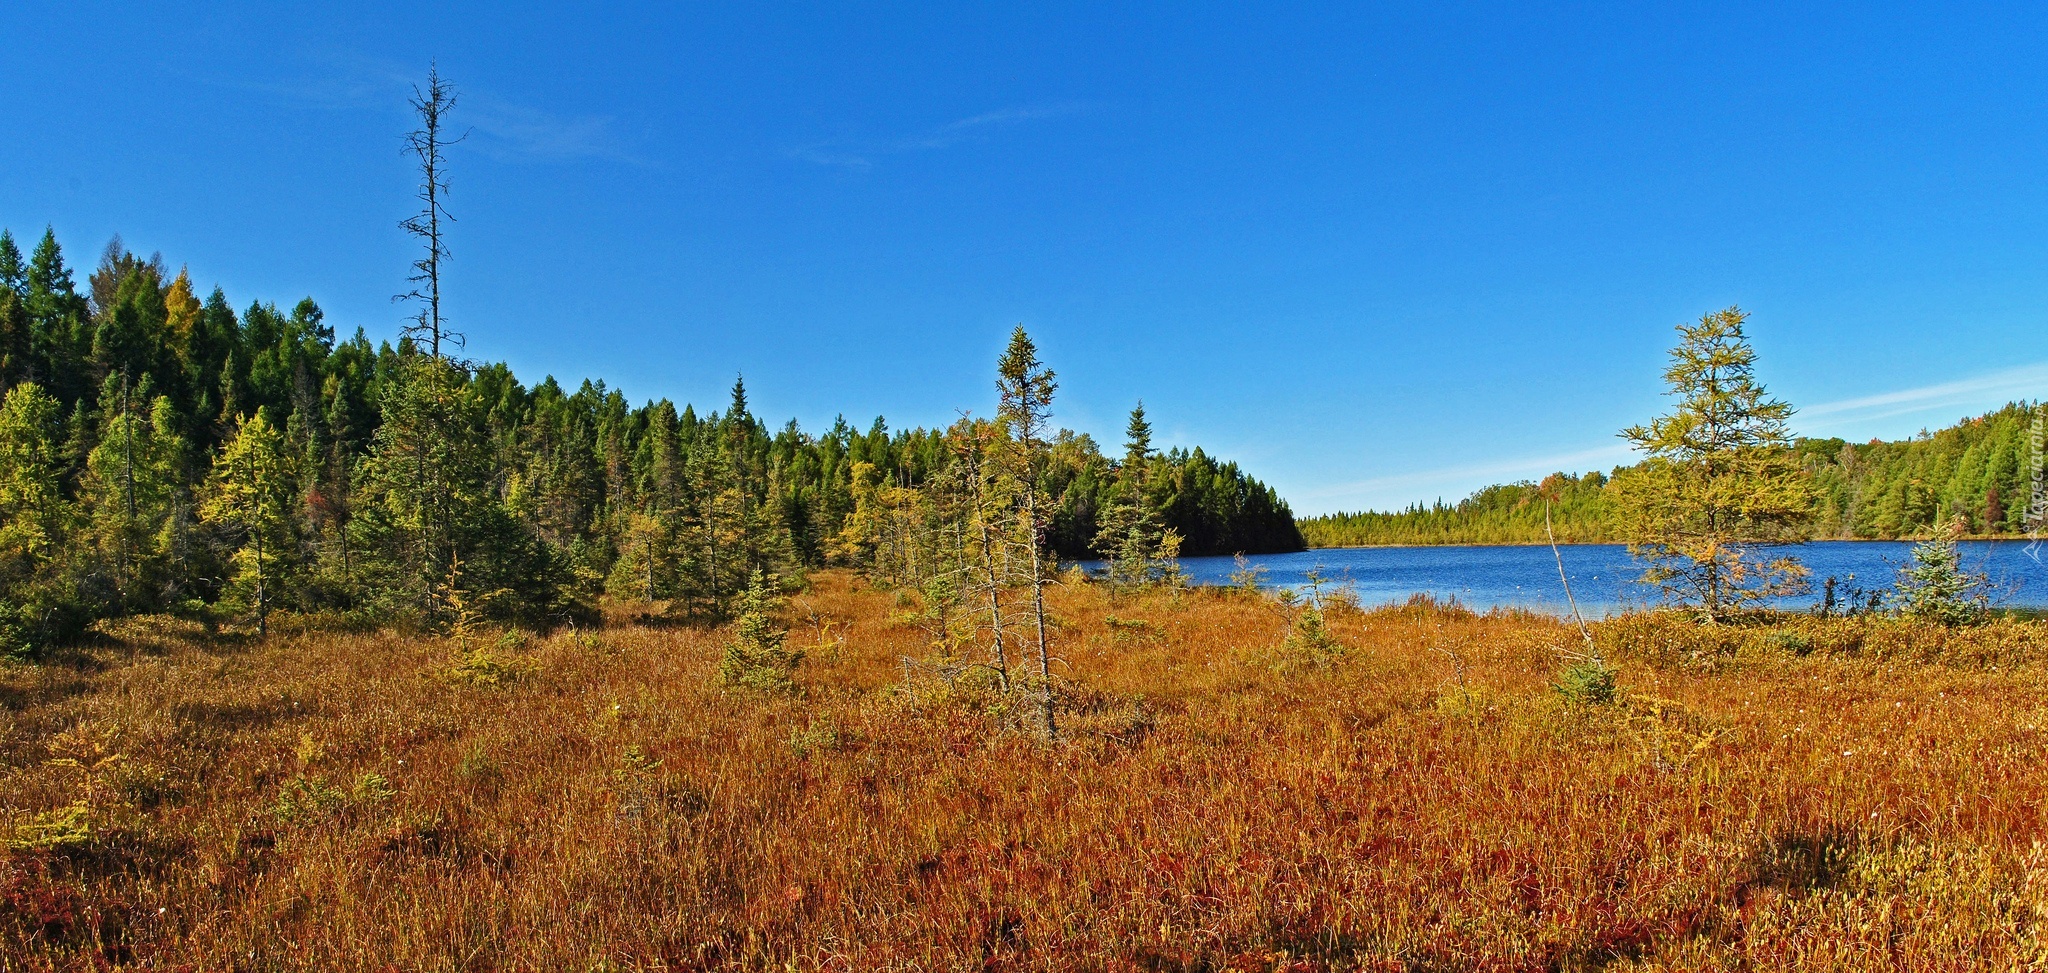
(1377, 255)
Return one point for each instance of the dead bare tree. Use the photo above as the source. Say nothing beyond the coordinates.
(427, 144)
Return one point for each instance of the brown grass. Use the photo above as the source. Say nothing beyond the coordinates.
(1864, 796)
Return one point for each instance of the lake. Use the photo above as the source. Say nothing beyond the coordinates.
(1603, 575)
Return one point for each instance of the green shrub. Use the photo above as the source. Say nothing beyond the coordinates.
(1587, 682)
(756, 658)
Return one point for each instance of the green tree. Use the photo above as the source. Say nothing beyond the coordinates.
(134, 496)
(1026, 387)
(37, 606)
(1139, 550)
(58, 335)
(755, 656)
(1935, 587)
(252, 499)
(1720, 481)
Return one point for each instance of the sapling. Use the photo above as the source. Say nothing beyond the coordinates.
(1935, 587)
(755, 657)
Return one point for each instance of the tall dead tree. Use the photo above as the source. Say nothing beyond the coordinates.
(427, 144)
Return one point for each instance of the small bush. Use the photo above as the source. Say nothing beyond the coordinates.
(62, 829)
(756, 658)
(1587, 682)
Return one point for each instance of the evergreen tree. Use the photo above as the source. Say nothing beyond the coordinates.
(1139, 550)
(134, 498)
(57, 328)
(1026, 387)
(13, 273)
(755, 657)
(252, 499)
(1935, 587)
(37, 602)
(1720, 481)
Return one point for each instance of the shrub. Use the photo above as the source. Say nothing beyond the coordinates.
(756, 658)
(1587, 682)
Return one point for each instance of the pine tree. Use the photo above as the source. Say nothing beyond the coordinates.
(1027, 388)
(1720, 480)
(252, 498)
(1935, 587)
(426, 479)
(14, 327)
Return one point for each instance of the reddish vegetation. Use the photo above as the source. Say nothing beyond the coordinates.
(1820, 795)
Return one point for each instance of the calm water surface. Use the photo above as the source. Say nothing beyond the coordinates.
(1603, 576)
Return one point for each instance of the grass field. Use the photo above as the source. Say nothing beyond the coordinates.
(1819, 794)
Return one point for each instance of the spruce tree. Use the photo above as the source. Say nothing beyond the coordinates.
(1140, 551)
(1026, 387)
(13, 272)
(57, 328)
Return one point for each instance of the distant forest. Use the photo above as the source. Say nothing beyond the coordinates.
(1976, 472)
(161, 451)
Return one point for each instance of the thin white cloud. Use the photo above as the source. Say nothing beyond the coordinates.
(502, 129)
(861, 154)
(1977, 392)
(1974, 394)
(518, 131)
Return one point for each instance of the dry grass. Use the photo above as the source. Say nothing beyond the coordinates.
(1859, 797)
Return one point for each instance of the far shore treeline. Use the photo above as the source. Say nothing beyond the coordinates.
(1975, 474)
(161, 451)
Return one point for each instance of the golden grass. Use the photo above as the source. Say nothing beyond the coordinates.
(1864, 796)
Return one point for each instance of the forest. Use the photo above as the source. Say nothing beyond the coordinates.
(1974, 474)
(164, 453)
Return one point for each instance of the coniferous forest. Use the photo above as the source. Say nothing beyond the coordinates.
(162, 451)
(1974, 474)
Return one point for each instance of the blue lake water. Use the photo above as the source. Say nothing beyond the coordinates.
(1603, 575)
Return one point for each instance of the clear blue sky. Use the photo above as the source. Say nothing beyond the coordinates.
(1375, 256)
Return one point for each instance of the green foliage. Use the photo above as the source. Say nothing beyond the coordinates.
(1587, 682)
(252, 498)
(40, 604)
(1720, 479)
(1308, 631)
(135, 497)
(171, 454)
(1935, 588)
(1140, 551)
(68, 827)
(755, 657)
(1246, 578)
(1977, 471)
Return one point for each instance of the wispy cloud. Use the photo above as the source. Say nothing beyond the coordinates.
(862, 154)
(512, 131)
(1974, 394)
(1978, 392)
(500, 128)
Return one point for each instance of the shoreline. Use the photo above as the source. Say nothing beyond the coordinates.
(1823, 540)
